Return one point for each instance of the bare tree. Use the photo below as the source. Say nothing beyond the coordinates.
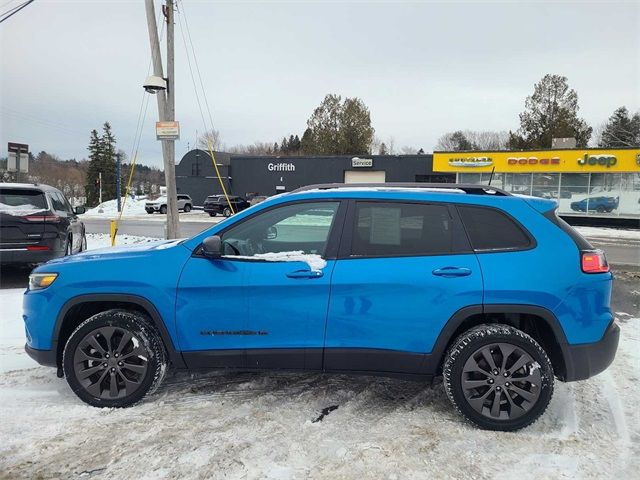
(257, 148)
(212, 137)
(487, 140)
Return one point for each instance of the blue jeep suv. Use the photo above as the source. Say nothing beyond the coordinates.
(489, 291)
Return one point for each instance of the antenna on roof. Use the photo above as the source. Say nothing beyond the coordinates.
(491, 176)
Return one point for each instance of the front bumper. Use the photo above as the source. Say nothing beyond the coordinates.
(43, 357)
(589, 359)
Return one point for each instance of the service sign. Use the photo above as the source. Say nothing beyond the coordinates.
(567, 161)
(361, 162)
(168, 130)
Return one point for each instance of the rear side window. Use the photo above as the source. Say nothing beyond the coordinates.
(22, 200)
(491, 229)
(401, 229)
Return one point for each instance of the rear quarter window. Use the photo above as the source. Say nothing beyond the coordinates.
(490, 229)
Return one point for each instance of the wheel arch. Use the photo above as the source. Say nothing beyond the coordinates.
(79, 308)
(538, 322)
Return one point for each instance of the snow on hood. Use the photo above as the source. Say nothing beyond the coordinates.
(315, 262)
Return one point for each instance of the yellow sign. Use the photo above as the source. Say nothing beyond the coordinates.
(574, 160)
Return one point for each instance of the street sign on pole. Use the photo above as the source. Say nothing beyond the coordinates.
(18, 158)
(168, 130)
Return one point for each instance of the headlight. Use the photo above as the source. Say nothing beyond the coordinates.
(38, 281)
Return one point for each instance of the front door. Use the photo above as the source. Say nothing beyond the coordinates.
(404, 270)
(287, 258)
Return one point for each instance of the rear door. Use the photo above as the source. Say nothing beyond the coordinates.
(403, 271)
(21, 218)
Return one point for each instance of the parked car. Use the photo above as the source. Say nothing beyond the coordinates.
(218, 204)
(37, 223)
(491, 292)
(160, 204)
(599, 204)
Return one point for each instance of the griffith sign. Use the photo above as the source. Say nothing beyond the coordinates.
(167, 130)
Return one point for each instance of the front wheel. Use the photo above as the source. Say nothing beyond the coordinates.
(498, 377)
(187, 208)
(163, 209)
(114, 359)
(226, 212)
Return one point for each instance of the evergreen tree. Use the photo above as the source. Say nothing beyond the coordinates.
(550, 112)
(421, 151)
(276, 148)
(284, 146)
(296, 144)
(621, 130)
(306, 143)
(383, 149)
(108, 163)
(339, 128)
(92, 187)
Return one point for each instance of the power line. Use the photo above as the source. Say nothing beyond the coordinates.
(16, 10)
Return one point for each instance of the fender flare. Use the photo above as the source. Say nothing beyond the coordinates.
(174, 355)
(435, 357)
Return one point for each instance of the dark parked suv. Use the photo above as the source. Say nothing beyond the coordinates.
(37, 223)
(215, 204)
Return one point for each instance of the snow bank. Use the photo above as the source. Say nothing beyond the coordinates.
(602, 232)
(103, 240)
(110, 208)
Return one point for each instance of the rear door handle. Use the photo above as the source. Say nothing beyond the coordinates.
(452, 272)
(305, 274)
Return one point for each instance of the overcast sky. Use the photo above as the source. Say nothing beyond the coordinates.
(422, 68)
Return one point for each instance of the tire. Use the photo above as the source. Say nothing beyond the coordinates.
(601, 209)
(226, 212)
(520, 402)
(144, 371)
(212, 214)
(150, 212)
(83, 243)
(187, 208)
(163, 209)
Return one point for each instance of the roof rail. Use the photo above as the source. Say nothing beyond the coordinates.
(471, 189)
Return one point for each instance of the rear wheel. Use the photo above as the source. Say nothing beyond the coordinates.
(212, 214)
(114, 359)
(226, 212)
(498, 377)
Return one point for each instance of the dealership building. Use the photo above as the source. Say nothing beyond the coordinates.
(268, 175)
(585, 182)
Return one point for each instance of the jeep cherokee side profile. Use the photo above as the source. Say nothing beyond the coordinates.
(490, 291)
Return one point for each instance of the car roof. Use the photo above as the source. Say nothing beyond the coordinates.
(30, 186)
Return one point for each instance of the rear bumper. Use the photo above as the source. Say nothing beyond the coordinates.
(28, 256)
(43, 357)
(589, 359)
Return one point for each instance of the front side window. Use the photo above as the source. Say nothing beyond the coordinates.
(401, 229)
(300, 227)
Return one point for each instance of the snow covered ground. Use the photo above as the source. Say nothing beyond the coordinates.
(134, 209)
(263, 425)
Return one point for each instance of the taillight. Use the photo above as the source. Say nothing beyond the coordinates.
(37, 247)
(594, 261)
(43, 218)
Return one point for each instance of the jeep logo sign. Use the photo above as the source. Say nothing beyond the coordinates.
(281, 167)
(604, 160)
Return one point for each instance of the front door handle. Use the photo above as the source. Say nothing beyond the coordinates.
(305, 274)
(452, 272)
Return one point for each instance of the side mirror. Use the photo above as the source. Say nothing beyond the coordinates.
(272, 232)
(79, 210)
(212, 247)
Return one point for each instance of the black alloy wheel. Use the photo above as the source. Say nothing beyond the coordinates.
(114, 359)
(498, 377)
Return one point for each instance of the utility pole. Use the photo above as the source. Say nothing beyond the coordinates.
(166, 108)
(118, 180)
(100, 187)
